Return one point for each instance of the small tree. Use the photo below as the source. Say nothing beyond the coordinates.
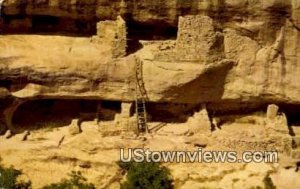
(146, 176)
(76, 181)
(8, 179)
(268, 182)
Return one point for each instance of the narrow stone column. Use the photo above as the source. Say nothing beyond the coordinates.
(124, 118)
(277, 121)
(126, 108)
(277, 127)
(200, 122)
(272, 111)
(98, 112)
(114, 34)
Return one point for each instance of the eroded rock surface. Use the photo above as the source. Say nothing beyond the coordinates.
(209, 69)
(262, 43)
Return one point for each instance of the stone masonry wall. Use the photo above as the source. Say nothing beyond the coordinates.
(113, 33)
(197, 40)
(120, 42)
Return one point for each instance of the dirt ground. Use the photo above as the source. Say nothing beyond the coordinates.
(95, 151)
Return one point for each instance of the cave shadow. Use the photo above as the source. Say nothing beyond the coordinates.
(4, 103)
(292, 112)
(167, 112)
(156, 30)
(47, 25)
(55, 113)
(44, 114)
(207, 87)
(133, 46)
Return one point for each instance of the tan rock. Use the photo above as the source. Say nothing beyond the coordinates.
(25, 135)
(272, 111)
(74, 128)
(233, 55)
(200, 122)
(8, 134)
(30, 90)
(295, 154)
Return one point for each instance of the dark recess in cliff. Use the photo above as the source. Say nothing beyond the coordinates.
(47, 24)
(37, 114)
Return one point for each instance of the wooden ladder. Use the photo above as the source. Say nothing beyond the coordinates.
(141, 97)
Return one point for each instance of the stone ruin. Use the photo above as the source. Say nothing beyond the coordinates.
(197, 41)
(190, 70)
(113, 34)
(229, 70)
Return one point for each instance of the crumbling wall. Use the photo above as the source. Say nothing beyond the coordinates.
(200, 122)
(113, 33)
(125, 119)
(197, 40)
(277, 121)
(166, 51)
(120, 42)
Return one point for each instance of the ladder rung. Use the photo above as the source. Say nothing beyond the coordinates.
(141, 96)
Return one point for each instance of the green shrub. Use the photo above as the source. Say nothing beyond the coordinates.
(76, 181)
(125, 165)
(8, 179)
(146, 176)
(268, 182)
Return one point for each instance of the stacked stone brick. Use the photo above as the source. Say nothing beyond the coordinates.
(196, 40)
(113, 33)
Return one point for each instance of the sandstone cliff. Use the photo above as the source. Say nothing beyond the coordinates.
(216, 74)
(247, 51)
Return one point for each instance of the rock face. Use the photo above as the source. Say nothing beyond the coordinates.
(223, 51)
(207, 69)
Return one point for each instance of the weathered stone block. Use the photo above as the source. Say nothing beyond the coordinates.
(8, 134)
(126, 108)
(74, 128)
(113, 33)
(197, 39)
(200, 122)
(272, 111)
